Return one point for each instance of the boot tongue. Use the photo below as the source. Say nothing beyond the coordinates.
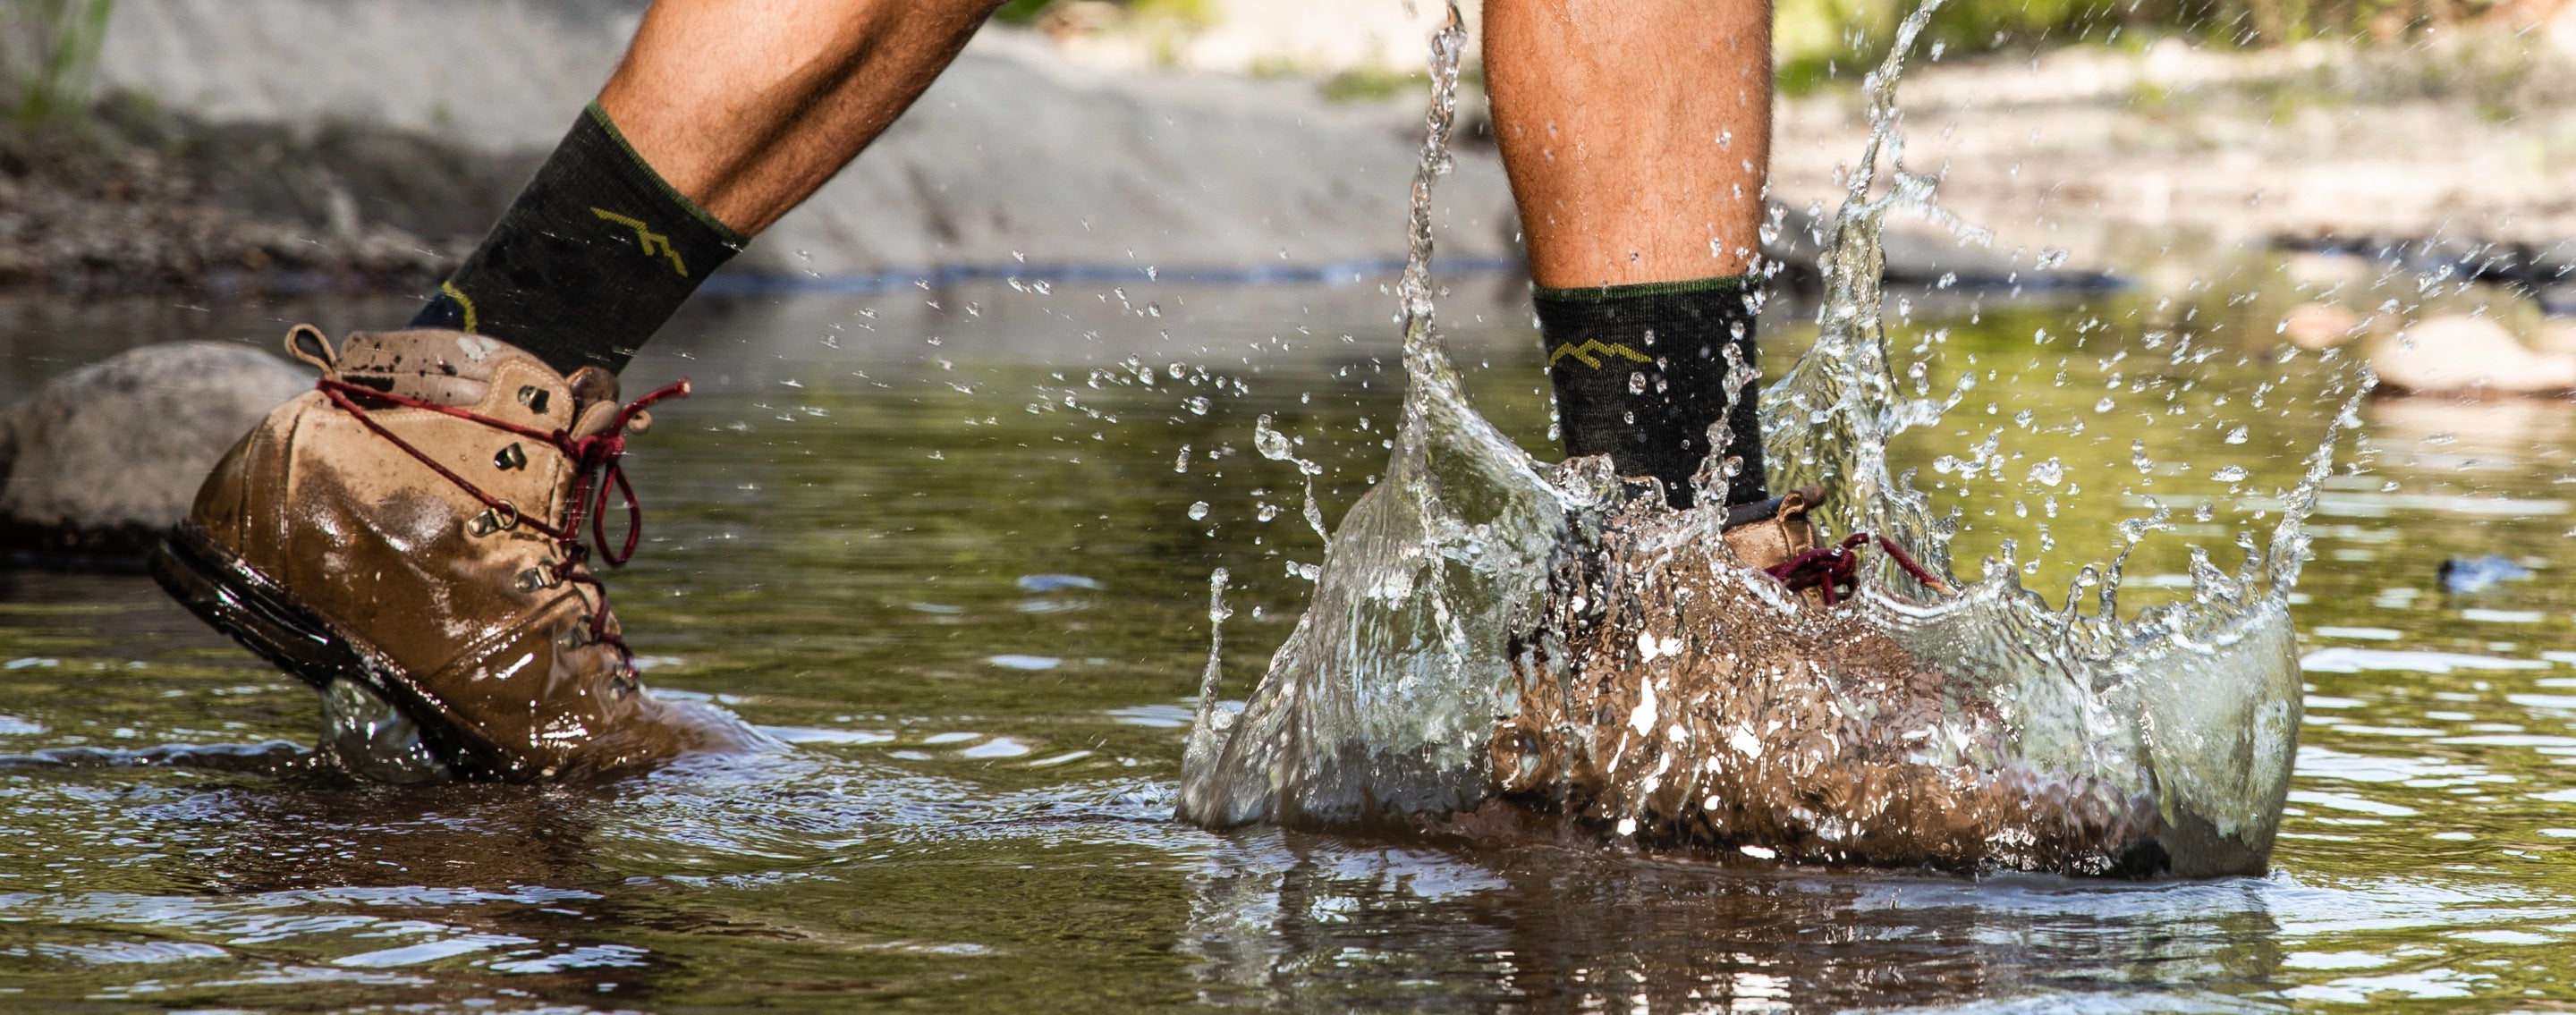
(445, 367)
(594, 399)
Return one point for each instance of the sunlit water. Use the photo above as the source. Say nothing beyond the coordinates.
(981, 613)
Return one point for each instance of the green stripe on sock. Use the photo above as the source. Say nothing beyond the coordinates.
(732, 237)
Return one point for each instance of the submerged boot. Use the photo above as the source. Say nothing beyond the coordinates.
(1774, 537)
(1669, 698)
(414, 526)
(1768, 533)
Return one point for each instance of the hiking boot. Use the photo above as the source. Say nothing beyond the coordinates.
(1768, 533)
(415, 526)
(1775, 538)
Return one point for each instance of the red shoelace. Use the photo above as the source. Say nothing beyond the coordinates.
(1831, 569)
(595, 472)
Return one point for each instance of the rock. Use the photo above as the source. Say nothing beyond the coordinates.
(2463, 575)
(101, 461)
(2459, 354)
(2316, 326)
(1017, 159)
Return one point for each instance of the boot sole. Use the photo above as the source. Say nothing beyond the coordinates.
(256, 612)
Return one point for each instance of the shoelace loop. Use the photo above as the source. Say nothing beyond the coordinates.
(1830, 569)
(596, 470)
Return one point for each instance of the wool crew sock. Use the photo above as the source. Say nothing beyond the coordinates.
(594, 255)
(1640, 373)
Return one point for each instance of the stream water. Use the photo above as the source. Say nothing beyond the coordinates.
(981, 613)
(955, 545)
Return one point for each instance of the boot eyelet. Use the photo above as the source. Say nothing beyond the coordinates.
(512, 457)
(577, 635)
(534, 398)
(540, 577)
(493, 520)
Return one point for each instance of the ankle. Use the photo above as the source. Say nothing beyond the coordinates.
(1642, 373)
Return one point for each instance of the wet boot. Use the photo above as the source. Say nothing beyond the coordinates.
(1768, 533)
(1670, 699)
(414, 527)
(1774, 537)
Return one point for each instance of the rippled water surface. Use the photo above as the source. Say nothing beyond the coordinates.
(954, 545)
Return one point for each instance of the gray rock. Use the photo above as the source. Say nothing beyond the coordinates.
(1017, 160)
(101, 461)
(1016, 157)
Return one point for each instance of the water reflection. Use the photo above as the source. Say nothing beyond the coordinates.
(2440, 433)
(1320, 922)
(822, 574)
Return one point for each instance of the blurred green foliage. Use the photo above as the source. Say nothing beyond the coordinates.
(48, 57)
(1820, 40)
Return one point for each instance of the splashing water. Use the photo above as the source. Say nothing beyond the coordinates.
(1379, 704)
(1488, 626)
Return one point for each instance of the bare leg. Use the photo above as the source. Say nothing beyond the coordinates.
(748, 106)
(1637, 134)
(724, 115)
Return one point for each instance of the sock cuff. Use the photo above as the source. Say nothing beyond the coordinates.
(1641, 374)
(726, 234)
(1604, 293)
(592, 258)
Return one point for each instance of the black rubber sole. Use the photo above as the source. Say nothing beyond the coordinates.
(254, 612)
(259, 614)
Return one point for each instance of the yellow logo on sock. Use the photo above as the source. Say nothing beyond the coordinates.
(654, 243)
(1592, 349)
(462, 303)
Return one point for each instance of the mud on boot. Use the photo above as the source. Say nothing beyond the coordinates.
(415, 526)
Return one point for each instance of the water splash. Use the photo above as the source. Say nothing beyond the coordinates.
(1276, 447)
(1476, 596)
(1378, 705)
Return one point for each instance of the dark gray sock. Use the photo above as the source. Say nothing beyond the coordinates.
(1640, 373)
(594, 255)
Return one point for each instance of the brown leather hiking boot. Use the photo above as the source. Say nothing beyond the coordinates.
(414, 526)
(1768, 533)
(1775, 538)
(1672, 699)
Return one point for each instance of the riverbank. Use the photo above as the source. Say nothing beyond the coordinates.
(2119, 156)
(261, 144)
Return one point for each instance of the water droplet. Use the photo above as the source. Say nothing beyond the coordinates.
(2236, 436)
(2048, 473)
(2105, 405)
(1199, 511)
(2229, 474)
(1198, 405)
